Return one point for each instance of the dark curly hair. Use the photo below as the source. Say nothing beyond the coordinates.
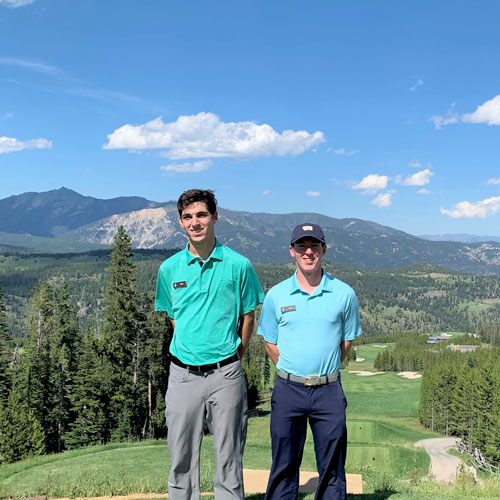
(197, 195)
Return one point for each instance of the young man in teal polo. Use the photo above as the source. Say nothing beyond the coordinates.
(308, 323)
(210, 293)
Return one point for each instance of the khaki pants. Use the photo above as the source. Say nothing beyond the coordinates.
(219, 397)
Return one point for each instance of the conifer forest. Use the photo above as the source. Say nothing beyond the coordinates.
(84, 357)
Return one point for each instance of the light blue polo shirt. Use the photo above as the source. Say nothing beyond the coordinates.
(308, 328)
(206, 302)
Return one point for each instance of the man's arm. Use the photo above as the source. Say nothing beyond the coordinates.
(272, 352)
(245, 331)
(345, 347)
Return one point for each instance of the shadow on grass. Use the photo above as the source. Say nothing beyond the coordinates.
(381, 495)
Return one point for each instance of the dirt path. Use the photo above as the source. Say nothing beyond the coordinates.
(443, 466)
(255, 482)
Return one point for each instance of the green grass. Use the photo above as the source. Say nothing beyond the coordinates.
(382, 423)
(369, 353)
(387, 395)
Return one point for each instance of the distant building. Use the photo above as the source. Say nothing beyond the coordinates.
(463, 348)
(438, 338)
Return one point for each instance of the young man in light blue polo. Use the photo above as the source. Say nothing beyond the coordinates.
(210, 293)
(308, 323)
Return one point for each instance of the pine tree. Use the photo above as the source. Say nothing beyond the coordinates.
(38, 387)
(21, 435)
(156, 360)
(88, 397)
(121, 342)
(5, 356)
(62, 358)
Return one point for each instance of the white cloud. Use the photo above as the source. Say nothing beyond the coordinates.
(31, 65)
(9, 144)
(188, 167)
(313, 193)
(450, 117)
(417, 179)
(482, 209)
(489, 113)
(266, 192)
(415, 164)
(204, 136)
(494, 180)
(103, 95)
(424, 191)
(372, 183)
(416, 85)
(342, 151)
(16, 3)
(383, 199)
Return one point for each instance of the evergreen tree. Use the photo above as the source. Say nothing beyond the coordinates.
(5, 355)
(88, 396)
(63, 366)
(38, 387)
(121, 342)
(155, 367)
(21, 435)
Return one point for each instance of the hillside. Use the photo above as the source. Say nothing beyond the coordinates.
(53, 220)
(422, 298)
(54, 212)
(265, 238)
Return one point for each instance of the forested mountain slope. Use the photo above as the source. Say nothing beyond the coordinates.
(422, 298)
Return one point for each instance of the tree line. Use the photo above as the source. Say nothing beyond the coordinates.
(460, 397)
(412, 353)
(421, 298)
(66, 387)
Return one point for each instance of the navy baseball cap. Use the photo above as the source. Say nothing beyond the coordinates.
(307, 230)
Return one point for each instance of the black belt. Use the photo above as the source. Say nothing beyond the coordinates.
(206, 368)
(310, 381)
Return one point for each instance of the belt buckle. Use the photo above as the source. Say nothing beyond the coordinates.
(312, 381)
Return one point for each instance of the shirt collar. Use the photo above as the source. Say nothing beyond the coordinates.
(216, 253)
(325, 285)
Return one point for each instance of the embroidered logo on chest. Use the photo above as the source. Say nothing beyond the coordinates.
(179, 284)
(286, 309)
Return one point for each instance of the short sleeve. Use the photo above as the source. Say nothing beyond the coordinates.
(251, 292)
(163, 300)
(268, 324)
(352, 323)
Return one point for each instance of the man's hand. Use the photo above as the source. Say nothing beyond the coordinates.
(245, 331)
(272, 352)
(345, 347)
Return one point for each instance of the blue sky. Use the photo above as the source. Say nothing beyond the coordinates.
(383, 110)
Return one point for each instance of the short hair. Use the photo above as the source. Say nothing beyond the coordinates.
(197, 195)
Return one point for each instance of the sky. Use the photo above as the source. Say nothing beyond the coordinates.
(387, 111)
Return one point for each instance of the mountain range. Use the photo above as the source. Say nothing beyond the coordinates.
(461, 237)
(62, 218)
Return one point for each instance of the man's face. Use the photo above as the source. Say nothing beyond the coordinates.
(198, 222)
(308, 253)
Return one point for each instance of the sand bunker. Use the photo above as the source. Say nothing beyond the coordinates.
(380, 346)
(362, 373)
(410, 375)
(358, 360)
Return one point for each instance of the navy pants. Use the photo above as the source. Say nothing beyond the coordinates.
(292, 404)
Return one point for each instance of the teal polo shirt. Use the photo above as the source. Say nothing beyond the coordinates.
(308, 328)
(206, 302)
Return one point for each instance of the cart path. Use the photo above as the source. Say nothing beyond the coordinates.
(443, 466)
